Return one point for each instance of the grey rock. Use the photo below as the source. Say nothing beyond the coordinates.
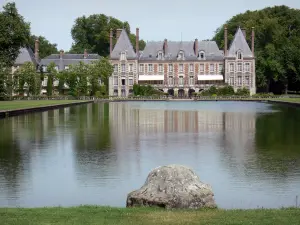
(173, 187)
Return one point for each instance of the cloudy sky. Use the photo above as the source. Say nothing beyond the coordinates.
(157, 19)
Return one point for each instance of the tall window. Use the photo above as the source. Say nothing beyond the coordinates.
(231, 82)
(160, 55)
(191, 80)
(130, 67)
(180, 55)
(160, 68)
(220, 68)
(247, 67)
(141, 68)
(180, 81)
(123, 67)
(231, 67)
(116, 80)
(201, 67)
(191, 67)
(180, 67)
(130, 81)
(239, 80)
(115, 68)
(170, 67)
(150, 68)
(247, 80)
(171, 81)
(239, 67)
(239, 55)
(123, 56)
(211, 67)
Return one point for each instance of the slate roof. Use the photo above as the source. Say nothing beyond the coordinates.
(123, 45)
(68, 59)
(25, 55)
(212, 52)
(239, 43)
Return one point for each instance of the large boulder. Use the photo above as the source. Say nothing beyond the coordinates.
(173, 186)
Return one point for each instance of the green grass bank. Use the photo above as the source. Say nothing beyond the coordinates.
(88, 215)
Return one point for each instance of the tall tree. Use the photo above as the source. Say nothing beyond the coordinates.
(92, 33)
(15, 33)
(277, 44)
(51, 76)
(46, 48)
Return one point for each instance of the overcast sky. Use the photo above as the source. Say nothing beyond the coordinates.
(157, 19)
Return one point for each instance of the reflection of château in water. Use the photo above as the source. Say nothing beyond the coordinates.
(126, 118)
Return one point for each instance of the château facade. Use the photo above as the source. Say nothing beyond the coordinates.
(181, 67)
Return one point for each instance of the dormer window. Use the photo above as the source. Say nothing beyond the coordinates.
(123, 56)
(201, 55)
(160, 56)
(180, 55)
(239, 55)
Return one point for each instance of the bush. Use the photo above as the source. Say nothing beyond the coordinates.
(243, 92)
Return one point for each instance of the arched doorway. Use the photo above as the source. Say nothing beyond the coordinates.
(181, 93)
(171, 92)
(191, 91)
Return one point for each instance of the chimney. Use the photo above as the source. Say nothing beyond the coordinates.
(165, 46)
(137, 40)
(225, 40)
(118, 33)
(244, 33)
(61, 54)
(85, 53)
(37, 49)
(252, 46)
(196, 48)
(110, 41)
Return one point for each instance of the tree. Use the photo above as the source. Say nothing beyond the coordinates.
(51, 75)
(277, 44)
(92, 33)
(45, 48)
(15, 34)
(27, 77)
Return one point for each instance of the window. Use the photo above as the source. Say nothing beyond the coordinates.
(44, 82)
(247, 80)
(201, 55)
(180, 55)
(201, 67)
(239, 80)
(150, 68)
(141, 68)
(171, 81)
(170, 67)
(247, 67)
(180, 82)
(130, 67)
(191, 67)
(123, 56)
(130, 81)
(115, 68)
(220, 68)
(116, 80)
(56, 68)
(239, 67)
(123, 82)
(239, 55)
(66, 67)
(231, 82)
(123, 67)
(191, 80)
(180, 67)
(160, 68)
(44, 68)
(160, 55)
(231, 67)
(211, 67)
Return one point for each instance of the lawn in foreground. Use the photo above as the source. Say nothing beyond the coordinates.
(293, 100)
(10, 105)
(104, 215)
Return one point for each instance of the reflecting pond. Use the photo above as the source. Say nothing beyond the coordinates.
(97, 153)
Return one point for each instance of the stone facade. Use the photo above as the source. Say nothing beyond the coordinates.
(180, 68)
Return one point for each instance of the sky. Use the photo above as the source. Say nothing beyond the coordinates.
(157, 19)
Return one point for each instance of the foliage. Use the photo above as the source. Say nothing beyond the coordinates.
(144, 90)
(92, 33)
(27, 75)
(224, 91)
(243, 92)
(45, 48)
(3, 82)
(263, 95)
(277, 45)
(51, 76)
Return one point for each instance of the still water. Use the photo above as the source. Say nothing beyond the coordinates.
(97, 153)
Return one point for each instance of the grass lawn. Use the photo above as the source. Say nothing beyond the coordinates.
(294, 100)
(10, 105)
(85, 215)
